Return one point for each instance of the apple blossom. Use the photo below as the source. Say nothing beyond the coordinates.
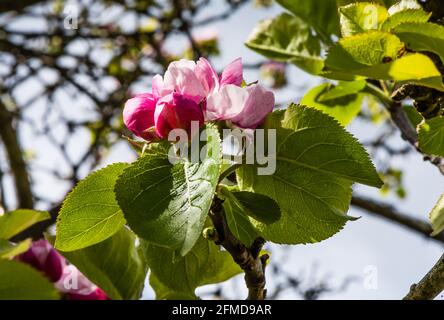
(193, 91)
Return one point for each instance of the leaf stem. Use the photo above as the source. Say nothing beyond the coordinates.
(229, 171)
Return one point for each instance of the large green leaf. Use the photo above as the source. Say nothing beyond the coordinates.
(431, 136)
(9, 250)
(19, 281)
(422, 37)
(287, 38)
(374, 54)
(317, 162)
(323, 18)
(14, 222)
(237, 217)
(343, 108)
(360, 17)
(165, 203)
(90, 213)
(204, 264)
(116, 265)
(437, 216)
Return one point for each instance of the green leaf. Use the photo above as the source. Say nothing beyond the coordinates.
(259, 206)
(422, 37)
(405, 70)
(363, 50)
(437, 216)
(116, 265)
(431, 136)
(19, 281)
(287, 38)
(204, 264)
(360, 17)
(316, 163)
(9, 250)
(237, 217)
(14, 222)
(386, 3)
(374, 55)
(90, 213)
(165, 203)
(323, 18)
(343, 89)
(414, 116)
(164, 293)
(405, 16)
(344, 108)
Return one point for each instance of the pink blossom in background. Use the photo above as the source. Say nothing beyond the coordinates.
(43, 257)
(193, 91)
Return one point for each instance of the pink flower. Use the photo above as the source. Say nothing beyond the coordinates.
(138, 115)
(43, 257)
(193, 91)
(245, 107)
(176, 111)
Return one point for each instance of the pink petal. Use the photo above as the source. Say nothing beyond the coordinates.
(187, 110)
(176, 111)
(43, 257)
(158, 87)
(207, 75)
(164, 116)
(259, 104)
(54, 265)
(225, 104)
(232, 73)
(180, 77)
(138, 114)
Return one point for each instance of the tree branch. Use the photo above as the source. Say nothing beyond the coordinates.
(390, 213)
(400, 119)
(249, 259)
(429, 286)
(16, 162)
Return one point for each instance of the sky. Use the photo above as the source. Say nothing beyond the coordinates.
(383, 258)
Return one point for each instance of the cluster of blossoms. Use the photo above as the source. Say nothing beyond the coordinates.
(66, 278)
(193, 91)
